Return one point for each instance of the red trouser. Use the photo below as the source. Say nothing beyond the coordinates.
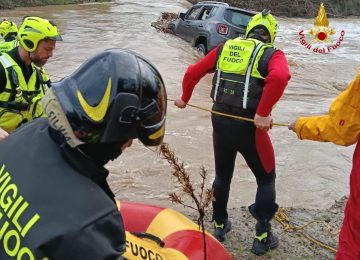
(349, 239)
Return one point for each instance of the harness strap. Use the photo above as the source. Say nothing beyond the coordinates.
(11, 91)
(42, 82)
(34, 109)
(248, 72)
(40, 79)
(218, 72)
(15, 106)
(14, 80)
(264, 60)
(217, 84)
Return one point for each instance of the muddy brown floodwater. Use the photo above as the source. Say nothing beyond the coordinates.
(310, 176)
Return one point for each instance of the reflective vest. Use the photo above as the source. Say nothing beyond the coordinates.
(7, 46)
(240, 72)
(19, 102)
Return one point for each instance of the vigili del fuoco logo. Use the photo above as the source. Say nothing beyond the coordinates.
(322, 35)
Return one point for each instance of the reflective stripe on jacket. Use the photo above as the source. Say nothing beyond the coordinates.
(239, 76)
(20, 101)
(341, 125)
(7, 46)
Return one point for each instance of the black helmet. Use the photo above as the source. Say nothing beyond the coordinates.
(115, 96)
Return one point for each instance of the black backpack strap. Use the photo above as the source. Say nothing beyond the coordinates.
(40, 76)
(14, 81)
(14, 106)
(264, 60)
(40, 79)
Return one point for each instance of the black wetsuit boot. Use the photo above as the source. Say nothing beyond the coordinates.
(264, 239)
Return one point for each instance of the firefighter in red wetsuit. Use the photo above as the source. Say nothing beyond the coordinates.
(341, 126)
(250, 77)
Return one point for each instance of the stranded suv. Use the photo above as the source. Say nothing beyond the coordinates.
(208, 23)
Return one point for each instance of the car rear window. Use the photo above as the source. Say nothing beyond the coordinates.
(237, 18)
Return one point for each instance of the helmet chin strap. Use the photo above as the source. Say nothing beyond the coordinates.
(29, 55)
(57, 118)
(258, 37)
(260, 34)
(102, 153)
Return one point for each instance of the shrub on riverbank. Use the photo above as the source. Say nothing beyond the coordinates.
(298, 8)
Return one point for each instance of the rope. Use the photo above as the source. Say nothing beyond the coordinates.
(283, 219)
(227, 115)
(281, 215)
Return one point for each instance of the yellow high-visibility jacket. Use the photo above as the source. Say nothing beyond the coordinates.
(341, 125)
(20, 101)
(8, 46)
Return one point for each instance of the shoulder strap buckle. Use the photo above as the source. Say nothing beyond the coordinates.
(18, 92)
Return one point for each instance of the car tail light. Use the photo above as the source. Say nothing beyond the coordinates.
(222, 28)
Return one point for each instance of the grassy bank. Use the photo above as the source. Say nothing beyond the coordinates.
(298, 8)
(9, 4)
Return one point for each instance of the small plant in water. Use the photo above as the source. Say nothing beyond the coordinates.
(202, 199)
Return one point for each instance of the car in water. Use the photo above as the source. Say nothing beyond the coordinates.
(208, 23)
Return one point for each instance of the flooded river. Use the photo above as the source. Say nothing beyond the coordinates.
(309, 174)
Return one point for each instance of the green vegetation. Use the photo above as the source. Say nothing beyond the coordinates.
(8, 4)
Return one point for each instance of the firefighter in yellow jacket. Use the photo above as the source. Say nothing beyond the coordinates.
(341, 126)
(8, 30)
(23, 81)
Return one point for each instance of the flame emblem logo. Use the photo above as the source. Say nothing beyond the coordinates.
(320, 35)
(321, 30)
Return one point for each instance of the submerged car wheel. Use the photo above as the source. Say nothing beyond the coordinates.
(201, 48)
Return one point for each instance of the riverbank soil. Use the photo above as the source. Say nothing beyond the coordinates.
(314, 241)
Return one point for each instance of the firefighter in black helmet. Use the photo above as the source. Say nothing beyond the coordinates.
(56, 203)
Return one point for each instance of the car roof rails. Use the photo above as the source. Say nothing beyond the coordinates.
(213, 2)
